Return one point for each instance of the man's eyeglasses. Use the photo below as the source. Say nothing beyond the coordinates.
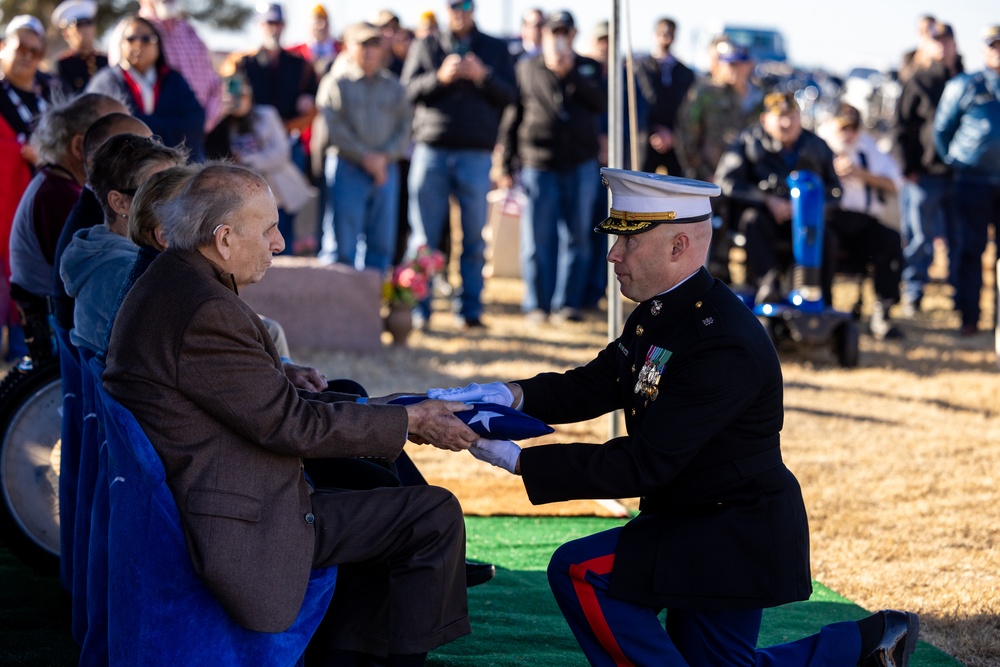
(144, 39)
(83, 23)
(465, 6)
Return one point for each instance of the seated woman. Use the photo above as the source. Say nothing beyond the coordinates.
(99, 259)
(254, 136)
(156, 94)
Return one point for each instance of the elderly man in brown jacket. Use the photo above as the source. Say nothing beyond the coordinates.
(198, 370)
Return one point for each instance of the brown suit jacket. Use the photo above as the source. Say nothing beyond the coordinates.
(198, 370)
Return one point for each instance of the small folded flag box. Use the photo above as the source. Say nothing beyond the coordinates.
(493, 421)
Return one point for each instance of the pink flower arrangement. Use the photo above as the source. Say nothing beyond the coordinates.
(411, 281)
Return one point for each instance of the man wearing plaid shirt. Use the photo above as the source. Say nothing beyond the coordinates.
(185, 52)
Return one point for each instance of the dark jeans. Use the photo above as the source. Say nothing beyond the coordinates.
(862, 237)
(976, 206)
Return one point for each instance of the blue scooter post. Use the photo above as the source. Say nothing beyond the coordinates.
(803, 316)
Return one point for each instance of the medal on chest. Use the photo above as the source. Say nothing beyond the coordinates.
(647, 383)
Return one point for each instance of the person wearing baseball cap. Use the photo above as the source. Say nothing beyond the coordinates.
(701, 388)
(368, 117)
(967, 137)
(460, 82)
(75, 20)
(24, 96)
(555, 147)
(926, 194)
(753, 173)
(869, 176)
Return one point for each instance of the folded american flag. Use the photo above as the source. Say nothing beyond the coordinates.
(493, 421)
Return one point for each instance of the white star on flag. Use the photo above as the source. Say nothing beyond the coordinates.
(484, 417)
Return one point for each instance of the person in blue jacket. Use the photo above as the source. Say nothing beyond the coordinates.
(967, 137)
(155, 94)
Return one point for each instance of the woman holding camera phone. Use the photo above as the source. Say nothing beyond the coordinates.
(254, 135)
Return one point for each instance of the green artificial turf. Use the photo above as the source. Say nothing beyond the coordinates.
(515, 620)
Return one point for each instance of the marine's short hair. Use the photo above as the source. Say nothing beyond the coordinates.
(161, 187)
(214, 196)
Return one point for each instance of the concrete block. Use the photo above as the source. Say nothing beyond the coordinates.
(321, 307)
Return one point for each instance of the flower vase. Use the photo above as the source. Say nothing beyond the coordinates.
(399, 322)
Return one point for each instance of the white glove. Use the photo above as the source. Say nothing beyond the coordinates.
(494, 392)
(501, 453)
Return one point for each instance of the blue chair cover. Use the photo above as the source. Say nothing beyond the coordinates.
(69, 464)
(160, 613)
(86, 482)
(95, 643)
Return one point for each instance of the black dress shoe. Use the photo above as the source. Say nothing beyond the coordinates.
(471, 323)
(478, 573)
(899, 640)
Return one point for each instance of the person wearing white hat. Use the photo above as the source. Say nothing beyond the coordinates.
(24, 96)
(722, 530)
(75, 20)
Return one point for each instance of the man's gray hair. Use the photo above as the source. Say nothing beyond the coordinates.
(213, 197)
(64, 120)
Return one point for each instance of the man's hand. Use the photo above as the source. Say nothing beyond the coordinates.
(305, 104)
(435, 422)
(448, 73)
(304, 377)
(473, 69)
(662, 139)
(844, 166)
(501, 453)
(377, 166)
(493, 392)
(781, 209)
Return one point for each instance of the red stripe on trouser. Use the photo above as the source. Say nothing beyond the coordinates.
(592, 608)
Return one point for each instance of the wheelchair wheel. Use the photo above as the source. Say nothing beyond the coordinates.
(30, 437)
(845, 344)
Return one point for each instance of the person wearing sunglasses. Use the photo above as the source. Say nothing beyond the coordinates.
(24, 95)
(156, 94)
(81, 61)
(459, 76)
(184, 50)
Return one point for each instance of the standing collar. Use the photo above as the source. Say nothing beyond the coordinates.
(686, 291)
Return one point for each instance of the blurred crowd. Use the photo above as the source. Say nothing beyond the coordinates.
(370, 138)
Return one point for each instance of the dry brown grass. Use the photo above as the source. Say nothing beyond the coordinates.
(897, 458)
